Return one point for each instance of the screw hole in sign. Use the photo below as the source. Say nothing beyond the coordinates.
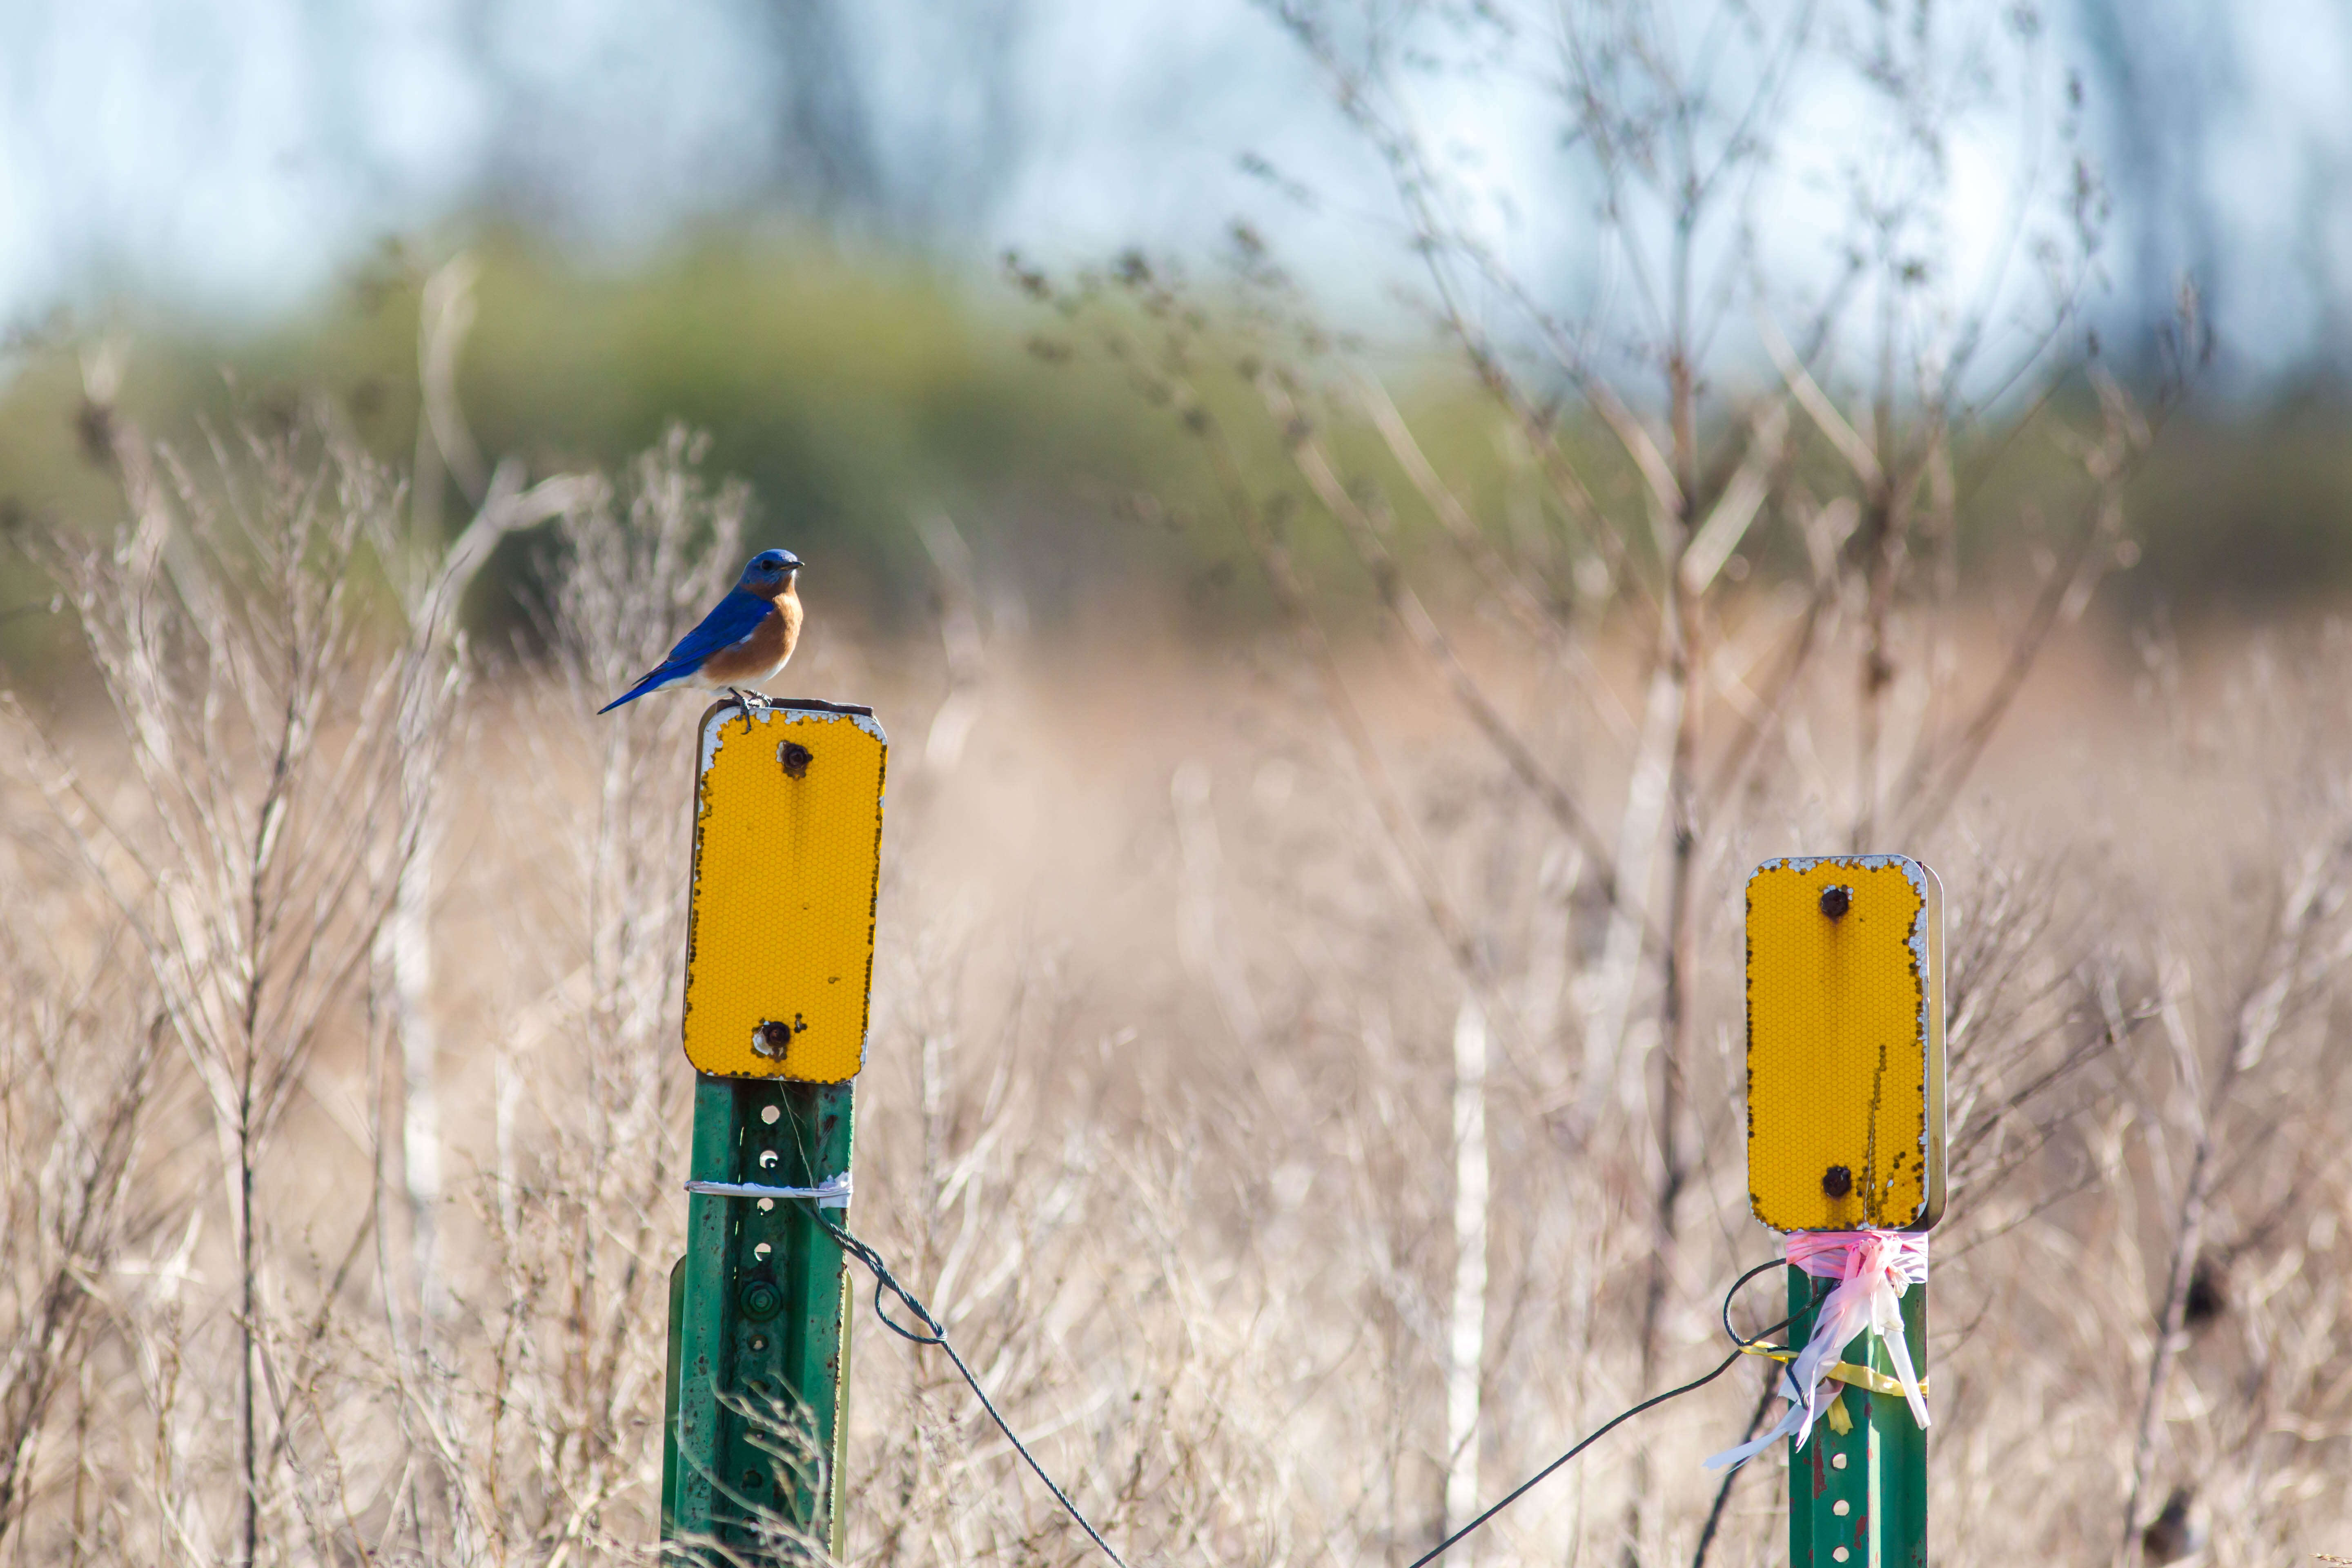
(795, 759)
(773, 1037)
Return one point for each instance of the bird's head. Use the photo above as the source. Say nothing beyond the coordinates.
(770, 572)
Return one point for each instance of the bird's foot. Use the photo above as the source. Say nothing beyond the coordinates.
(743, 703)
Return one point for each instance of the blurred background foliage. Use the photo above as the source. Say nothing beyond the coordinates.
(857, 389)
(851, 391)
(780, 226)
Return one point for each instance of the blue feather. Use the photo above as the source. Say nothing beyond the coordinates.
(733, 618)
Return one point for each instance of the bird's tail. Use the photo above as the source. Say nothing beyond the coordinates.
(653, 680)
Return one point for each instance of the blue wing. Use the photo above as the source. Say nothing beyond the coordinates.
(731, 620)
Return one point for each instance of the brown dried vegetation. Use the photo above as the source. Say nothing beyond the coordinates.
(1164, 1103)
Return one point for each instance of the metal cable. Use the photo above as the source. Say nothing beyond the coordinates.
(884, 1280)
(1594, 1437)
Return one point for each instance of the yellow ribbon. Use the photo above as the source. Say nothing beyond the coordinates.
(1860, 1377)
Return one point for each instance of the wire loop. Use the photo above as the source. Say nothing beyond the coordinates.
(884, 1280)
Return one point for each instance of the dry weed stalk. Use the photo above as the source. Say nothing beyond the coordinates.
(577, 1199)
(2245, 1004)
(280, 659)
(251, 849)
(73, 1104)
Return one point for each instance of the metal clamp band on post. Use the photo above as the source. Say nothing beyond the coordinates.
(833, 1192)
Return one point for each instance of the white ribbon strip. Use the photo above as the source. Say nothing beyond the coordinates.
(1732, 1458)
(1873, 1269)
(833, 1192)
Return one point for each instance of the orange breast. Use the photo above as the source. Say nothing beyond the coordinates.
(759, 656)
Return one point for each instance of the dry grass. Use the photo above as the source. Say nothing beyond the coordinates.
(1163, 1108)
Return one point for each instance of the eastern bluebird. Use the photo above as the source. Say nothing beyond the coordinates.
(745, 639)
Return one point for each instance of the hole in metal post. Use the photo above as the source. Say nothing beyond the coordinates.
(768, 1114)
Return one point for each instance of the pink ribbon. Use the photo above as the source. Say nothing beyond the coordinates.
(1873, 1269)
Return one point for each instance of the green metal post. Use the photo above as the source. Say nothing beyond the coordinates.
(761, 1318)
(1861, 1498)
(669, 1400)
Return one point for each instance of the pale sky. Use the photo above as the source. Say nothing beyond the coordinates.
(232, 155)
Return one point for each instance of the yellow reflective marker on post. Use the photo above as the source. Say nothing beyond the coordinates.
(1846, 1044)
(780, 926)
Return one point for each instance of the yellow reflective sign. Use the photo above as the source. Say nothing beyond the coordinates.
(1846, 1044)
(780, 926)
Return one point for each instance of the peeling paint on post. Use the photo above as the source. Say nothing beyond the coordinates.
(757, 1395)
